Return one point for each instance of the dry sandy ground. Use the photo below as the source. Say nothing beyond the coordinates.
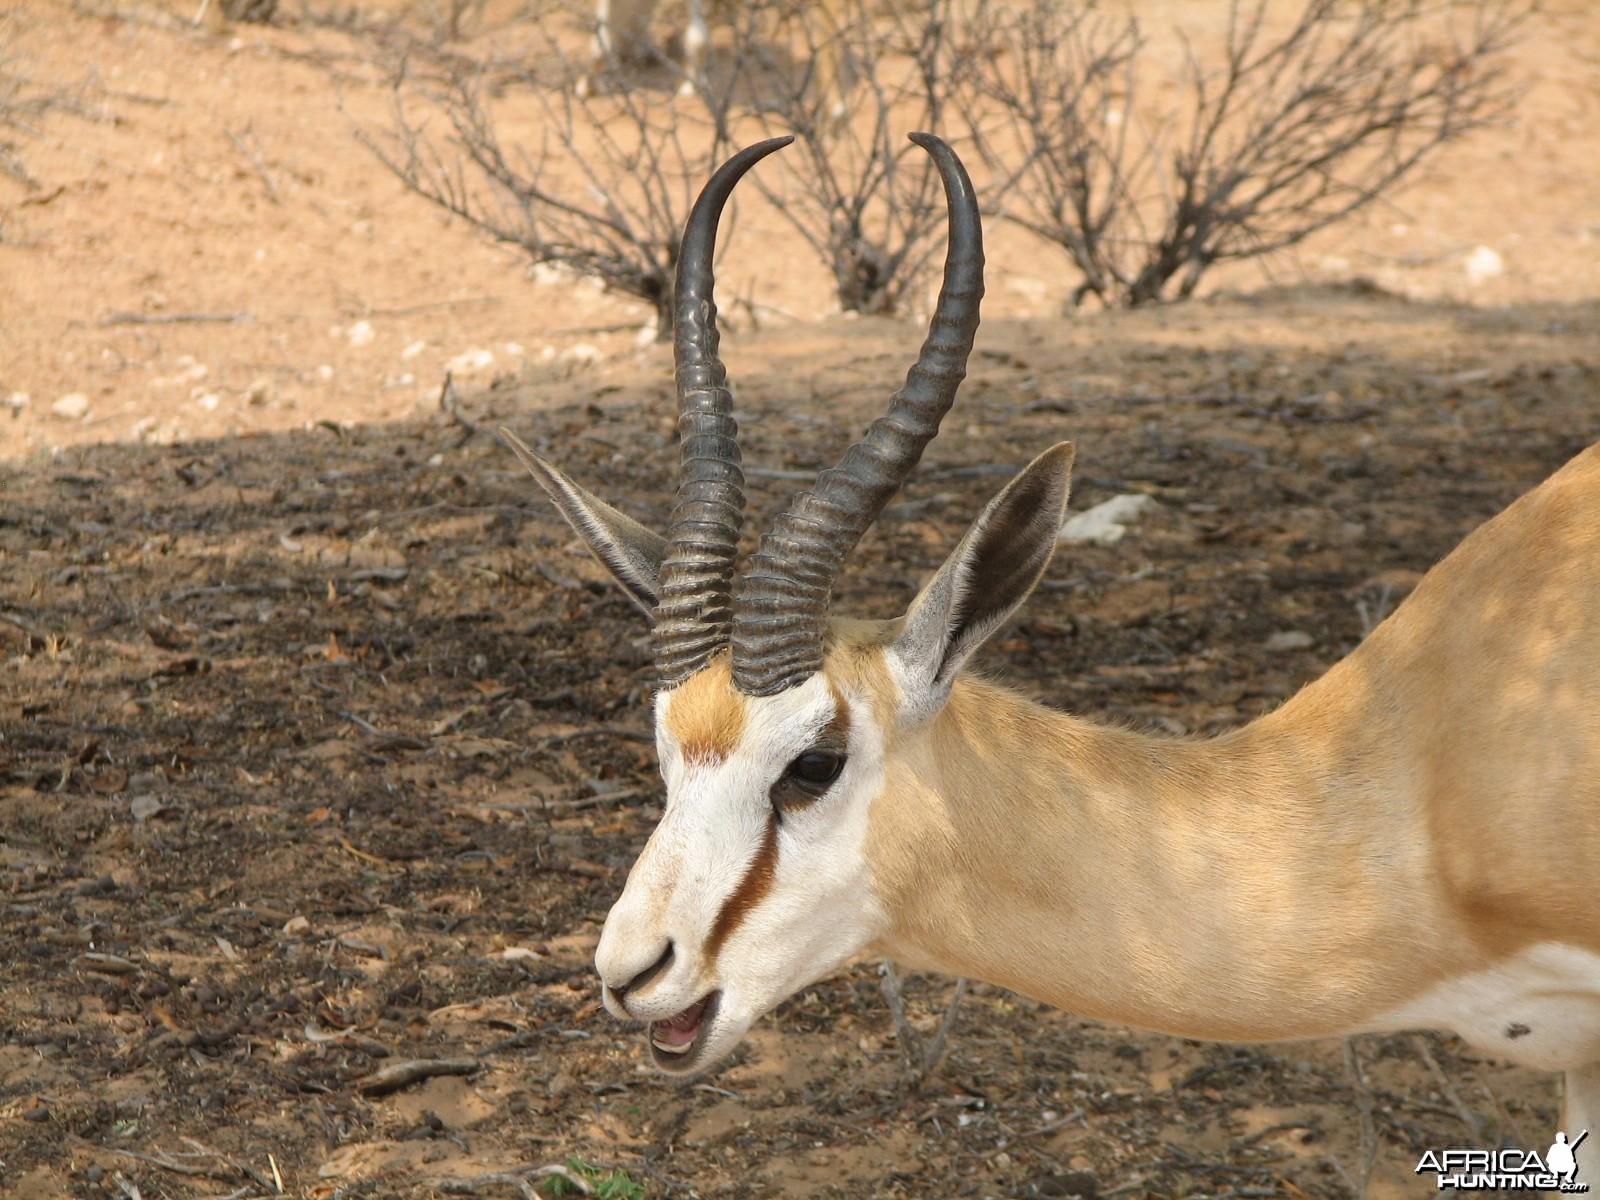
(322, 745)
(216, 174)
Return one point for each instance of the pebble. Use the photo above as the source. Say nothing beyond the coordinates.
(145, 807)
(583, 354)
(1083, 1184)
(1484, 263)
(74, 406)
(260, 392)
(1107, 522)
(1290, 639)
(561, 1084)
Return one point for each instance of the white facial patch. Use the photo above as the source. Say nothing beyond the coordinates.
(798, 878)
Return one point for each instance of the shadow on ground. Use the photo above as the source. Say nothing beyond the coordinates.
(326, 749)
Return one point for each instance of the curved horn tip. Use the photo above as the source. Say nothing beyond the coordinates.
(951, 169)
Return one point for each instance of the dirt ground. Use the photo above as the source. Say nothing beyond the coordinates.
(324, 747)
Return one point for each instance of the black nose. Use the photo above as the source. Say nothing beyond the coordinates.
(645, 976)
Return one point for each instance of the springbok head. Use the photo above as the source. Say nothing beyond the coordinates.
(780, 728)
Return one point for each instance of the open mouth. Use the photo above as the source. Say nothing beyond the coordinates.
(674, 1042)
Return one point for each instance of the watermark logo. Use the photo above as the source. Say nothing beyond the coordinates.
(1556, 1170)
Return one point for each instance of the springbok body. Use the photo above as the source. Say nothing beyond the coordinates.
(1412, 841)
(623, 39)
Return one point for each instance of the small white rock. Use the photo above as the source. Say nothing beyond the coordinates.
(74, 406)
(360, 334)
(416, 348)
(209, 401)
(18, 401)
(471, 362)
(1024, 285)
(1290, 639)
(1484, 263)
(297, 926)
(1107, 522)
(583, 354)
(145, 807)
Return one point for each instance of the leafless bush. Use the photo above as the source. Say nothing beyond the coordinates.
(23, 102)
(1296, 128)
(259, 12)
(217, 13)
(451, 20)
(850, 79)
(601, 187)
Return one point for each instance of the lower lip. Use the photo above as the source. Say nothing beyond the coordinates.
(682, 1057)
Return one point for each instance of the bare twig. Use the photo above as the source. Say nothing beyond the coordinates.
(935, 1050)
(922, 1058)
(404, 1074)
(247, 144)
(181, 318)
(517, 1177)
(167, 1163)
(22, 101)
(1470, 1119)
(1369, 1127)
(450, 405)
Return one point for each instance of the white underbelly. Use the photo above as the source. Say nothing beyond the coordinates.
(1539, 1008)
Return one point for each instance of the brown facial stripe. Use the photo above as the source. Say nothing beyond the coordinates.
(752, 889)
(707, 715)
(836, 734)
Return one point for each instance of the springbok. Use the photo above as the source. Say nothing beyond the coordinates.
(1411, 841)
(622, 39)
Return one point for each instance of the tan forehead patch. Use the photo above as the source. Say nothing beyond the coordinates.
(707, 715)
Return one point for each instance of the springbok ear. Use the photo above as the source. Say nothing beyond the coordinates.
(984, 581)
(626, 548)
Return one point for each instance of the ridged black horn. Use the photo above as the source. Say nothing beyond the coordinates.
(694, 612)
(783, 596)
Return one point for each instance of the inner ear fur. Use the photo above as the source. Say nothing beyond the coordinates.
(624, 547)
(988, 575)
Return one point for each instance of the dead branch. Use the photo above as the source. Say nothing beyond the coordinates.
(23, 102)
(182, 318)
(247, 144)
(922, 1058)
(1369, 1126)
(517, 1177)
(403, 1074)
(1473, 1122)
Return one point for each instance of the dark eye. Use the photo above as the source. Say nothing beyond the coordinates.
(806, 778)
(818, 768)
